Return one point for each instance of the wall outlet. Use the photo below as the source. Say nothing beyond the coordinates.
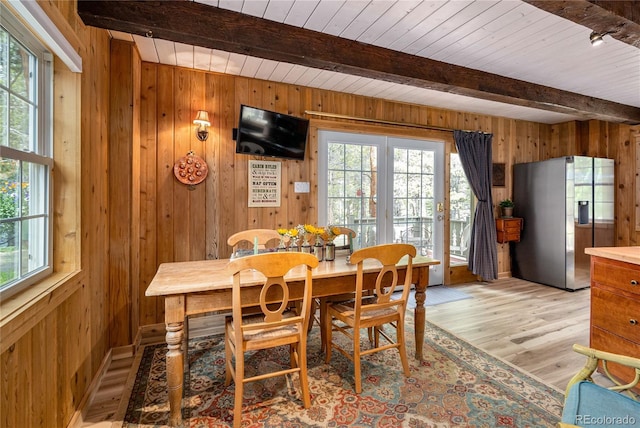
(301, 187)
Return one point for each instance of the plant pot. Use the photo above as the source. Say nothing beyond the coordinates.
(507, 212)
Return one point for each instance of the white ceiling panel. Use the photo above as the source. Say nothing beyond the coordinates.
(508, 37)
(219, 61)
(184, 55)
(277, 10)
(235, 63)
(321, 16)
(299, 13)
(266, 69)
(279, 73)
(202, 58)
(166, 51)
(147, 48)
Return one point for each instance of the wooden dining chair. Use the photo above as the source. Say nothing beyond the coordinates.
(247, 238)
(349, 233)
(274, 325)
(365, 311)
(321, 302)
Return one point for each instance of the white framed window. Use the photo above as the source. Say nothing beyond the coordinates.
(26, 157)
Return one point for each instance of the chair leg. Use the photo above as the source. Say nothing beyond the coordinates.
(356, 360)
(312, 313)
(237, 402)
(228, 354)
(304, 378)
(402, 348)
(294, 355)
(323, 321)
(327, 327)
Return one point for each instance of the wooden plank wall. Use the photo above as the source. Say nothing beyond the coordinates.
(47, 369)
(194, 224)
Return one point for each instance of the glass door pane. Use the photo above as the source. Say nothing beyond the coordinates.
(416, 195)
(351, 192)
(413, 201)
(399, 205)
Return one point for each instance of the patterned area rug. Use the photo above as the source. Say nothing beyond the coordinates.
(456, 385)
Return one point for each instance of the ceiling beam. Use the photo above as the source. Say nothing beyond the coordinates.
(618, 19)
(199, 24)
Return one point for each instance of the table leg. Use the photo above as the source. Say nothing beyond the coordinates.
(419, 312)
(175, 372)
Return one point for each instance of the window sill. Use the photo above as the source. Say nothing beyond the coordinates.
(20, 313)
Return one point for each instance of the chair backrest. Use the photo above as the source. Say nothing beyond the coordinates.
(275, 296)
(249, 236)
(628, 364)
(349, 233)
(346, 231)
(388, 255)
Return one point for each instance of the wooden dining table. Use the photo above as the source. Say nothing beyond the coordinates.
(197, 287)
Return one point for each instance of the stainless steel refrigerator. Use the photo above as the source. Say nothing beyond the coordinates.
(567, 206)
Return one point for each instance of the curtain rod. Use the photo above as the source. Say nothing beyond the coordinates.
(386, 122)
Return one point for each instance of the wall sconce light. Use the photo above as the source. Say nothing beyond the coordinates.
(596, 38)
(202, 120)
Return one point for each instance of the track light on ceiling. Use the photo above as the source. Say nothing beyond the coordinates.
(596, 38)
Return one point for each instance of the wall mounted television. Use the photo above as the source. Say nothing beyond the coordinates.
(267, 133)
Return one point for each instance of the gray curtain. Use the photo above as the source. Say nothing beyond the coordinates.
(474, 149)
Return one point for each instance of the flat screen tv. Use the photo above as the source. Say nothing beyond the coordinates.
(267, 133)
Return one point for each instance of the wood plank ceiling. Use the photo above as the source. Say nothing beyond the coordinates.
(529, 60)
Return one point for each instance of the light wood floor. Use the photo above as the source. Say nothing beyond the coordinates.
(529, 325)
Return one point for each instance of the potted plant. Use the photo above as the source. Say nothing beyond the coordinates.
(506, 205)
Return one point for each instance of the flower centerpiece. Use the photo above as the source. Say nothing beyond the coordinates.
(318, 248)
(329, 233)
(304, 232)
(292, 234)
(284, 234)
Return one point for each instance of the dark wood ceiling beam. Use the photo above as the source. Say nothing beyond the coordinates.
(202, 25)
(619, 19)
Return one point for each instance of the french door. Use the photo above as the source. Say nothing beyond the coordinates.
(387, 189)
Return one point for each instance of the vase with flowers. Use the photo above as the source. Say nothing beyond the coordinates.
(328, 235)
(318, 248)
(283, 236)
(304, 232)
(292, 234)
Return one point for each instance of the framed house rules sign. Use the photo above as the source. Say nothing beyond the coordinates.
(264, 183)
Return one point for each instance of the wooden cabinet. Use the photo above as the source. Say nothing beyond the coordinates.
(615, 309)
(508, 229)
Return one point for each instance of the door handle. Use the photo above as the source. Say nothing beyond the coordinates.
(440, 207)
